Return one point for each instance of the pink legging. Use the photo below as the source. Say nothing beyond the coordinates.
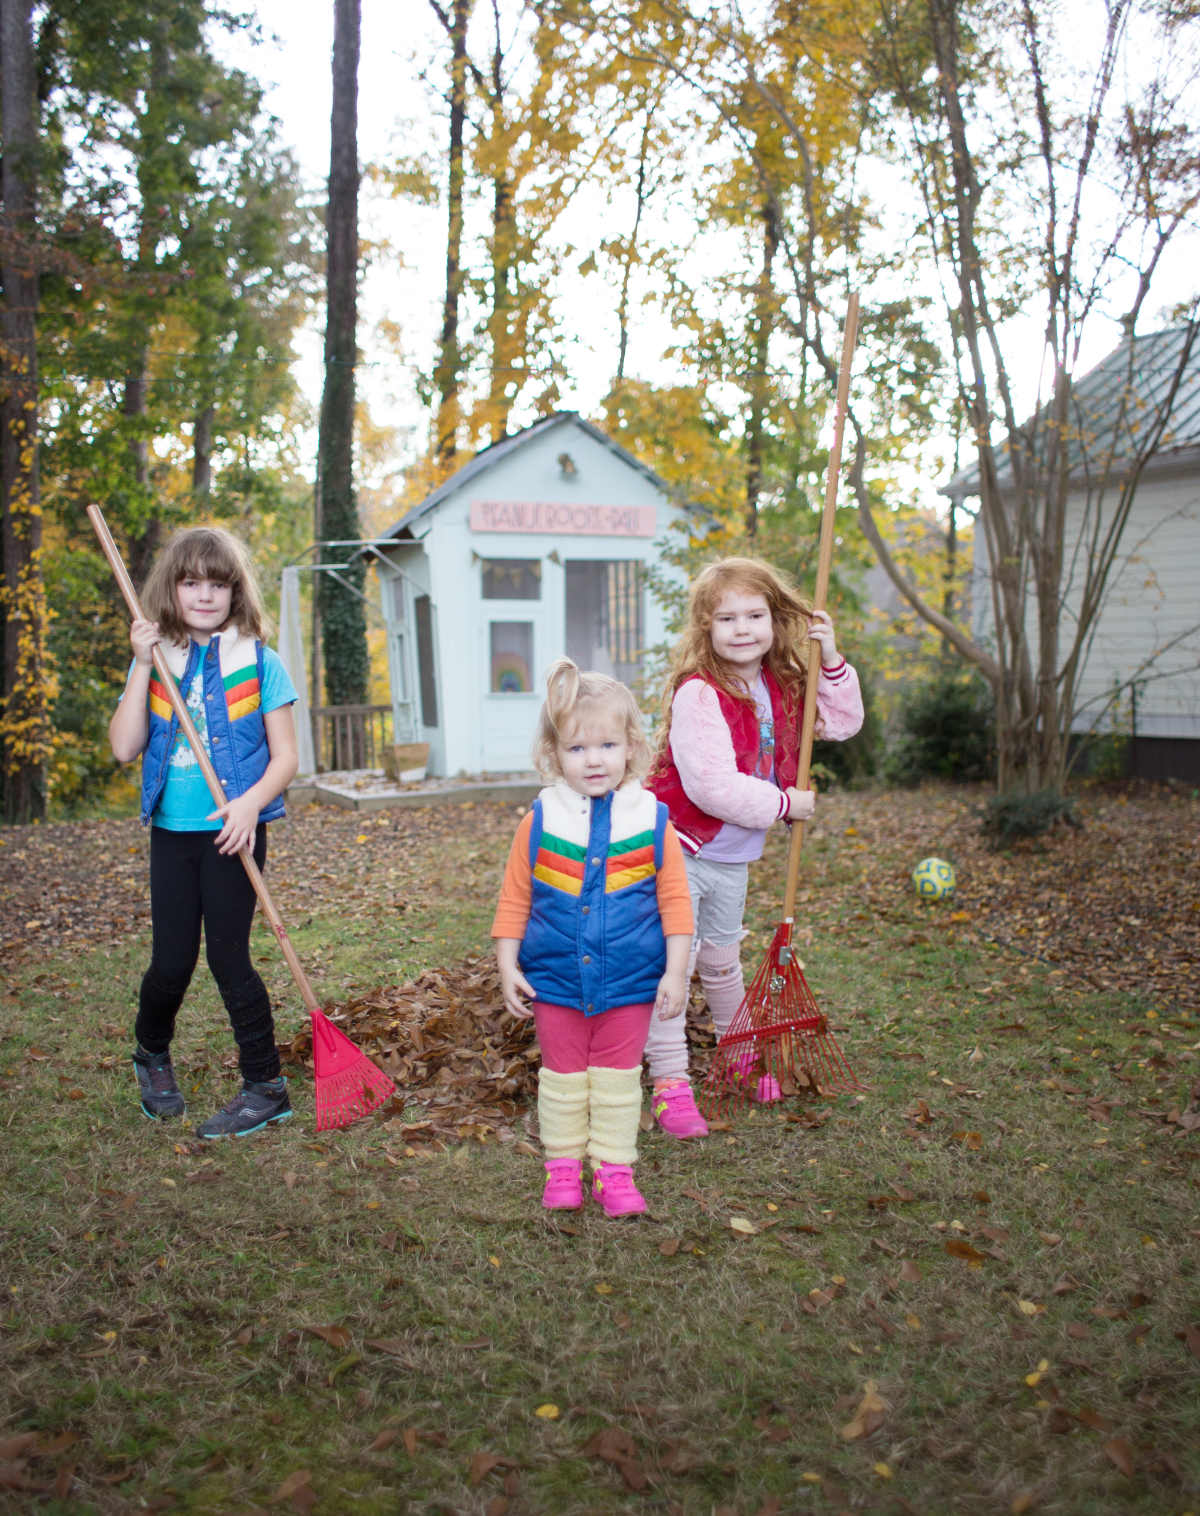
(571, 1042)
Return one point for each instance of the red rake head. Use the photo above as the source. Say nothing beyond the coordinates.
(347, 1084)
(777, 1043)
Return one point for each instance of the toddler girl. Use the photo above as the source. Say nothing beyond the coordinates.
(593, 928)
(726, 767)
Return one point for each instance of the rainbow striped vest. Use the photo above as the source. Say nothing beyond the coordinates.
(237, 735)
(594, 937)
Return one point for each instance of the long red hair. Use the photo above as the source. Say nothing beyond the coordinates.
(787, 658)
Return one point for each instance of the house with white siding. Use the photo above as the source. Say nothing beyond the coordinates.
(1140, 676)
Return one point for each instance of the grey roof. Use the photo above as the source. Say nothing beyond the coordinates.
(1115, 409)
(489, 456)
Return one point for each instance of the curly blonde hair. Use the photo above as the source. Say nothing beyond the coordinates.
(204, 552)
(570, 691)
(787, 657)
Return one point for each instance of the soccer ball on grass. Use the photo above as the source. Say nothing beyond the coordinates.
(933, 879)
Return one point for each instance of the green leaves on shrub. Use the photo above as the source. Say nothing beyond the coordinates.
(1010, 817)
(946, 731)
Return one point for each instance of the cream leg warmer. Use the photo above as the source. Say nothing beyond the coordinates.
(614, 1109)
(720, 970)
(563, 1113)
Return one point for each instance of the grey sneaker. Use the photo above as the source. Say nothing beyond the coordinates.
(156, 1080)
(252, 1108)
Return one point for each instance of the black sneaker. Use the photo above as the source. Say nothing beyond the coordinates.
(156, 1080)
(252, 1108)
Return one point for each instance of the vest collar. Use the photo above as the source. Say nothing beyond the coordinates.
(234, 652)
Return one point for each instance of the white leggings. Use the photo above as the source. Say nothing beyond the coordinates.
(718, 892)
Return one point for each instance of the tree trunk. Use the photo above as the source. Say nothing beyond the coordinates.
(25, 736)
(762, 322)
(202, 441)
(501, 337)
(630, 258)
(143, 546)
(448, 373)
(343, 624)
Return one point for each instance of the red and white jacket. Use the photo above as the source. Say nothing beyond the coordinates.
(706, 778)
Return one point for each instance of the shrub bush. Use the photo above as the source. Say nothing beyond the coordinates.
(946, 731)
(1013, 817)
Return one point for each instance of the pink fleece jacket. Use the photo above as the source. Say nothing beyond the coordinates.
(703, 750)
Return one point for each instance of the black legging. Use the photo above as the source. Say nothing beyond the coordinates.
(192, 883)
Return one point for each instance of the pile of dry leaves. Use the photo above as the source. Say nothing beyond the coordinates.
(463, 1065)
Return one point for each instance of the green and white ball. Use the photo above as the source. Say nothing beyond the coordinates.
(933, 879)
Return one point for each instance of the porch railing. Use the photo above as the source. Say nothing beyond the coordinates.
(352, 736)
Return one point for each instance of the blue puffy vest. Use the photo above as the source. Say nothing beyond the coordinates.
(594, 937)
(232, 669)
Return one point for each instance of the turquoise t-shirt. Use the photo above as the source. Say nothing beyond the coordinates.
(186, 800)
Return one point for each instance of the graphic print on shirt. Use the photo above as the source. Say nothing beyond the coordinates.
(182, 756)
(766, 743)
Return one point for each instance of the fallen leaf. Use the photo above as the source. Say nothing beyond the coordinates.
(547, 1412)
(1119, 1451)
(959, 1249)
(296, 1488)
(481, 1466)
(335, 1336)
(615, 1445)
(872, 1409)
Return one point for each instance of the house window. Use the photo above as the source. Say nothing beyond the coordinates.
(604, 616)
(511, 657)
(427, 673)
(512, 579)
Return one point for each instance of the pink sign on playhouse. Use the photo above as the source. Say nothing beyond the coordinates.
(563, 516)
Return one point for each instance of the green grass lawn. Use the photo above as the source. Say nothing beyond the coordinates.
(972, 1288)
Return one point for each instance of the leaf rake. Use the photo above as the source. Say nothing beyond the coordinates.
(779, 1033)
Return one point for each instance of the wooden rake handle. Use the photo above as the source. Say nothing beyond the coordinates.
(210, 774)
(824, 562)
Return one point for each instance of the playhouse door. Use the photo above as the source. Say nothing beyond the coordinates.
(513, 653)
(605, 619)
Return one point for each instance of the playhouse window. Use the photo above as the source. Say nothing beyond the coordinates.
(512, 579)
(423, 607)
(511, 657)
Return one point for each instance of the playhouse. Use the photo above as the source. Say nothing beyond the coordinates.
(538, 546)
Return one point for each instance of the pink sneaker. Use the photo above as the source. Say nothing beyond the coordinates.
(564, 1185)
(675, 1111)
(766, 1091)
(613, 1187)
